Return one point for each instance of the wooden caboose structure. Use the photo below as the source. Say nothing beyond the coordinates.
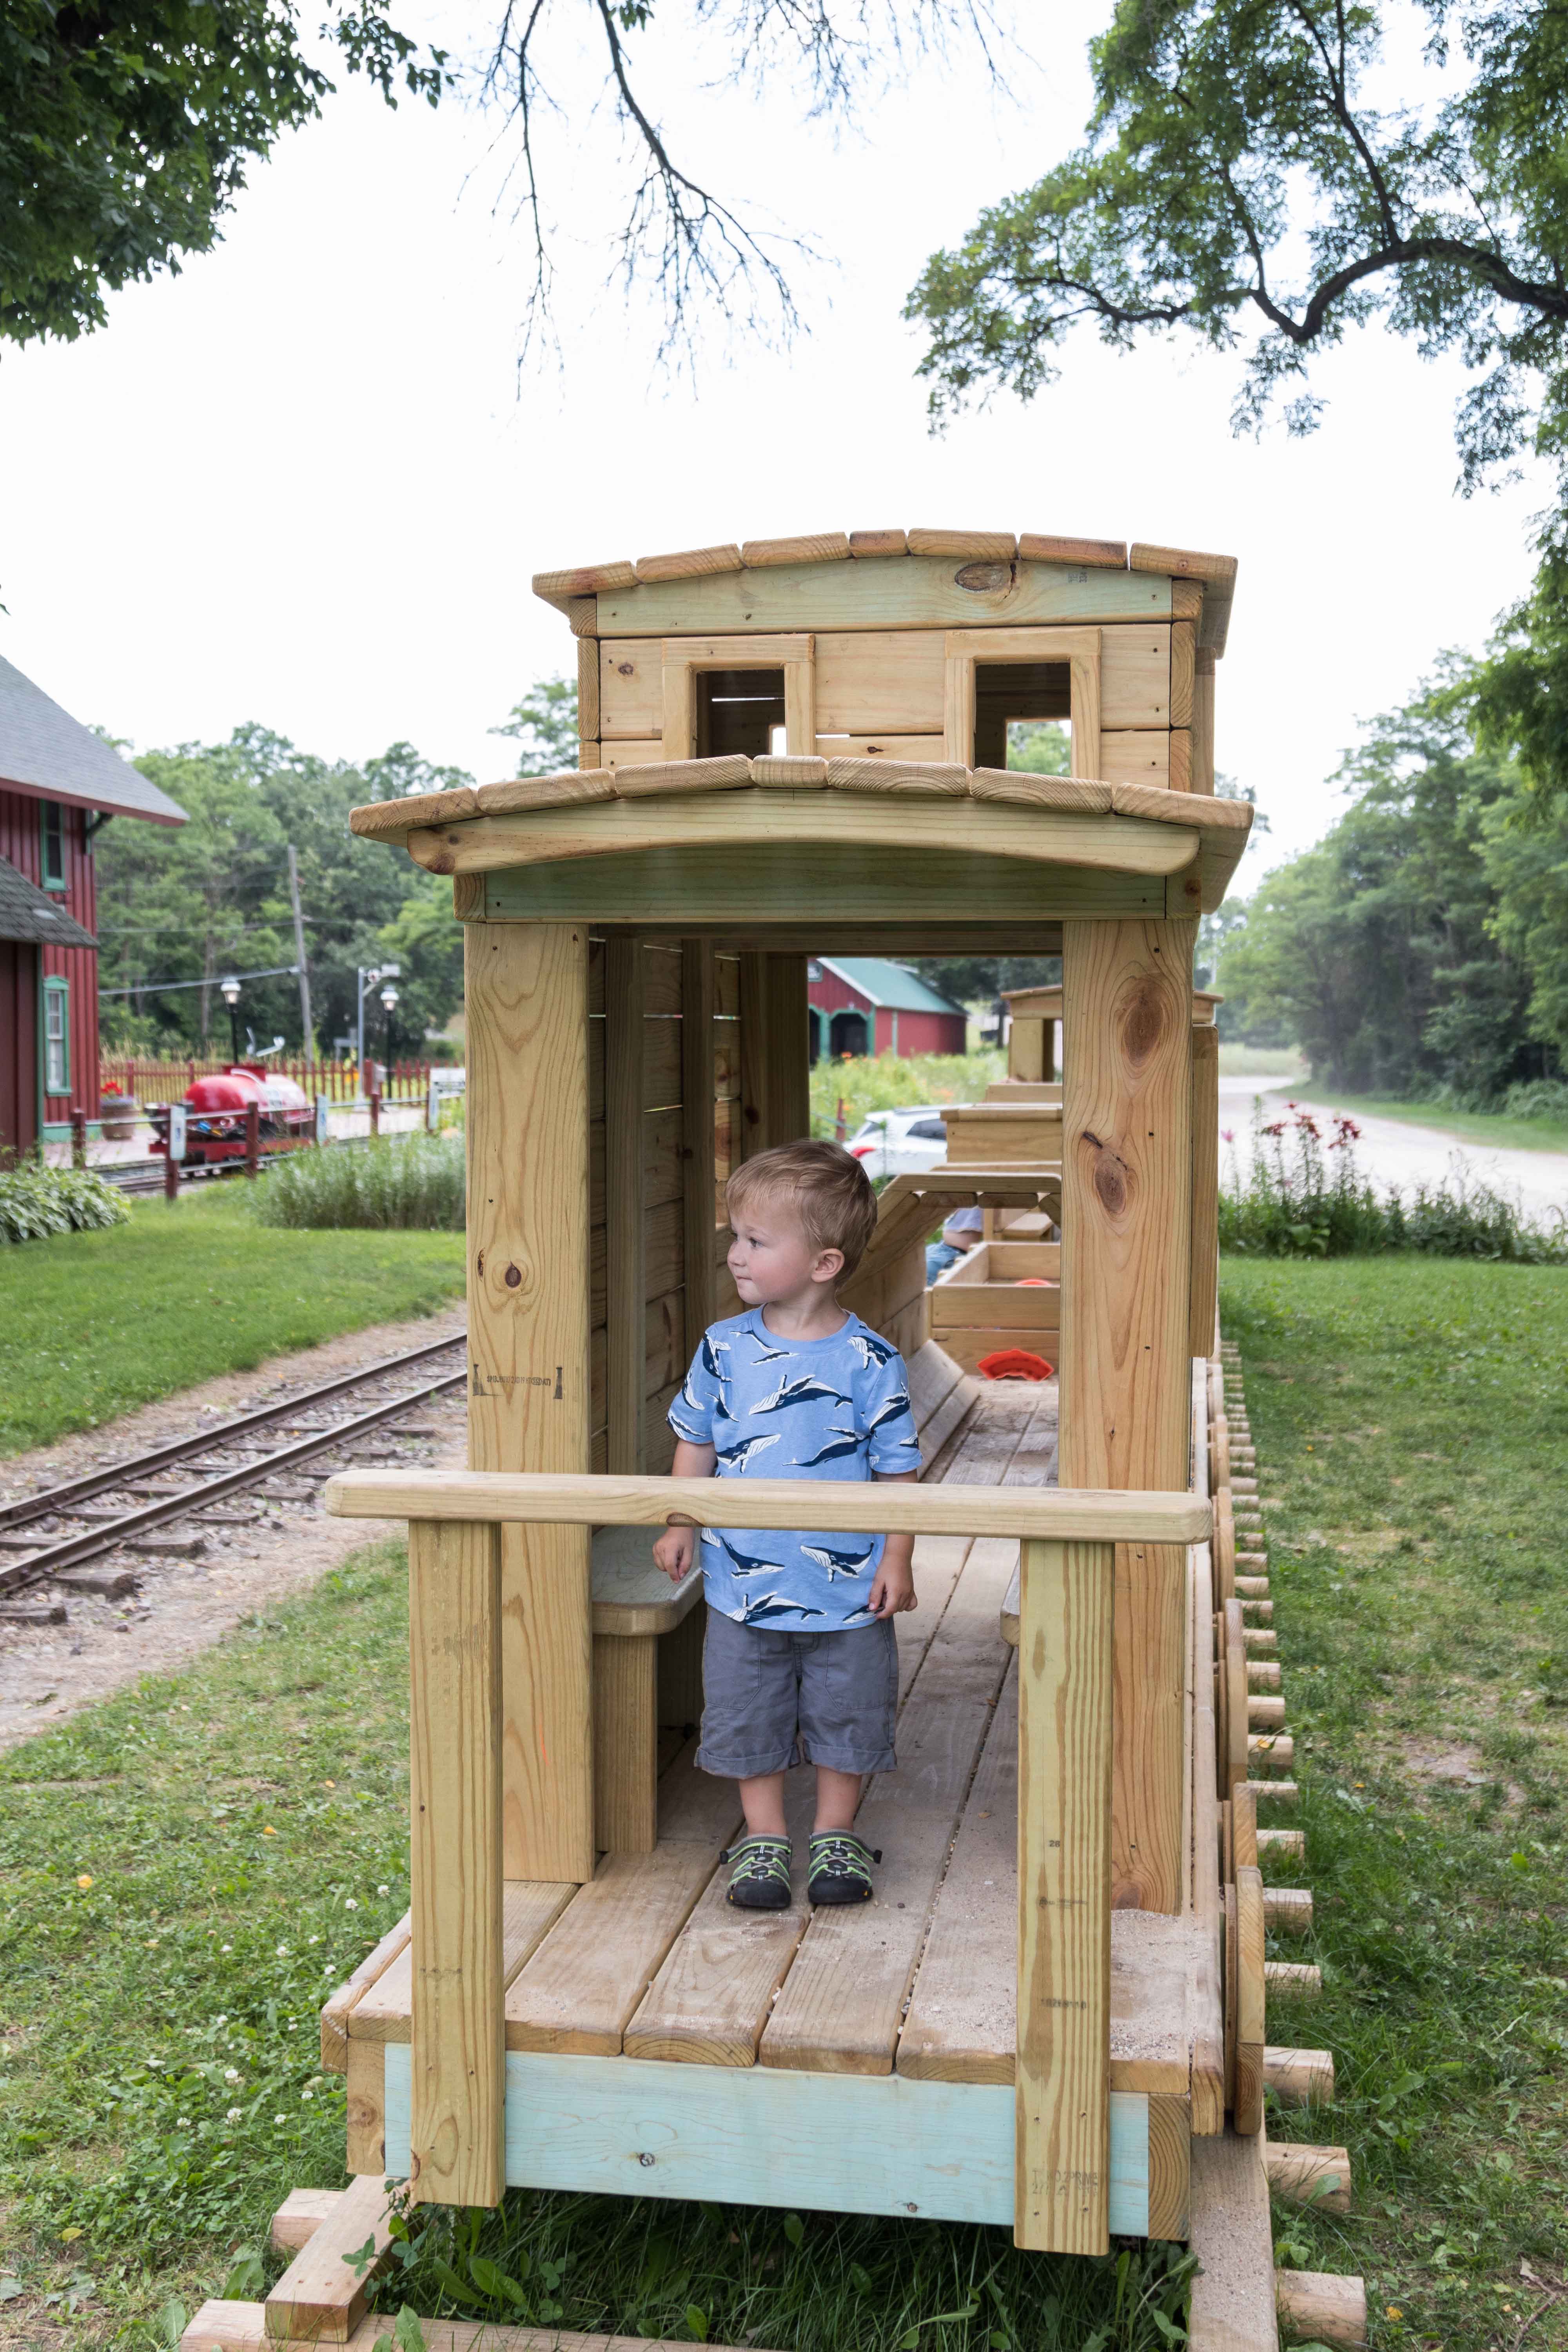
(1029, 2024)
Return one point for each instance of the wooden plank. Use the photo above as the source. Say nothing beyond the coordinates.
(788, 1107)
(588, 690)
(996, 1305)
(300, 2216)
(1183, 660)
(972, 546)
(1207, 1909)
(698, 983)
(625, 1742)
(908, 591)
(526, 995)
(689, 563)
(1180, 776)
(892, 763)
(743, 885)
(800, 708)
(1202, 777)
(582, 579)
(546, 791)
(819, 547)
(625, 1032)
(336, 2011)
(530, 1909)
(1169, 2166)
(631, 691)
(750, 1134)
(322, 2296)
(454, 1716)
(1205, 1280)
(1250, 2037)
(1064, 1898)
(364, 2106)
(1233, 2291)
(840, 2007)
(1321, 2306)
(889, 681)
(1125, 1375)
(752, 2135)
(1304, 2175)
(1141, 756)
(634, 752)
(1039, 547)
(877, 543)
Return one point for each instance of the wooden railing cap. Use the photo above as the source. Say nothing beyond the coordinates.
(1074, 1515)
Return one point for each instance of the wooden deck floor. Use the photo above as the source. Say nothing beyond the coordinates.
(649, 1961)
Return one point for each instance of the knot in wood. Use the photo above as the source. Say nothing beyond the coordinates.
(1144, 1021)
(1107, 1176)
(513, 1277)
(981, 578)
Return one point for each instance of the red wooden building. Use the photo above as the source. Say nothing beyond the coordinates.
(864, 1004)
(60, 785)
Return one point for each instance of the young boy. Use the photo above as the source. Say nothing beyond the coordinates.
(800, 1657)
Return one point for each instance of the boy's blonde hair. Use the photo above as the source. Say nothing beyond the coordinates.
(824, 1187)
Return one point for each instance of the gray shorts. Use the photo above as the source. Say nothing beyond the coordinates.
(771, 1699)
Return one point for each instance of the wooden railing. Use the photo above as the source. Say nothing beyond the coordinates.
(1063, 2144)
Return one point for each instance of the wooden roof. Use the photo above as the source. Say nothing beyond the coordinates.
(597, 812)
(1215, 574)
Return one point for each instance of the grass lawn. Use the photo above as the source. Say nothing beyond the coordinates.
(184, 1872)
(1471, 1126)
(1412, 1423)
(91, 1324)
(1237, 1061)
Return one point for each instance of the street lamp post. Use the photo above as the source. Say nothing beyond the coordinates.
(388, 998)
(229, 991)
(368, 976)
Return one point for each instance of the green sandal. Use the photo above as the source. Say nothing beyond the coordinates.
(760, 1879)
(838, 1867)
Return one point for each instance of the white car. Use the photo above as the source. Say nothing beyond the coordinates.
(900, 1143)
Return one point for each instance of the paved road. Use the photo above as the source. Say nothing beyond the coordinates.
(1391, 1153)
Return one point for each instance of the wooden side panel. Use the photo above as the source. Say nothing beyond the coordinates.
(697, 1087)
(526, 990)
(1205, 1192)
(788, 1112)
(756, 1046)
(1125, 1376)
(1141, 757)
(588, 690)
(1063, 2081)
(625, 1258)
(1202, 779)
(625, 1742)
(455, 1711)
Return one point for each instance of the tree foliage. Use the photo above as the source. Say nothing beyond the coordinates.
(1413, 948)
(127, 127)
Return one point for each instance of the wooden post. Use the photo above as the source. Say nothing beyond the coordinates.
(699, 1205)
(526, 987)
(375, 1110)
(1205, 1192)
(1066, 1597)
(755, 1053)
(787, 1077)
(624, 1253)
(252, 1138)
(1125, 1373)
(79, 1138)
(457, 2154)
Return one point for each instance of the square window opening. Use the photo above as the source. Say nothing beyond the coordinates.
(738, 712)
(1033, 698)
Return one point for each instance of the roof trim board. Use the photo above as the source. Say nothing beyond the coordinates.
(46, 754)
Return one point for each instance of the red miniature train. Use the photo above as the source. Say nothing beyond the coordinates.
(216, 1111)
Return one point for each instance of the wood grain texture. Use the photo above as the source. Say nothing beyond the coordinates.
(526, 995)
(1305, 2175)
(626, 1029)
(545, 791)
(455, 1806)
(1233, 2291)
(877, 543)
(1250, 2037)
(697, 1203)
(1208, 2024)
(689, 563)
(821, 547)
(909, 592)
(750, 1134)
(588, 690)
(581, 615)
(336, 2011)
(901, 764)
(1204, 1293)
(972, 546)
(1086, 724)
(1169, 2166)
(1300, 2078)
(1066, 1615)
(788, 1109)
(300, 2216)
(1201, 779)
(364, 2108)
(1179, 776)
(1125, 1372)
(321, 2297)
(1039, 547)
(1323, 2305)
(1184, 658)
(1136, 756)
(582, 579)
(626, 1743)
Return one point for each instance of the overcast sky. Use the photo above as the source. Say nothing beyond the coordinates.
(304, 483)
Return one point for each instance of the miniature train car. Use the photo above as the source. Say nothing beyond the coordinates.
(217, 1109)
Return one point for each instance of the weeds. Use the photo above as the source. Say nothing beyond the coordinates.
(1302, 1196)
(36, 1201)
(393, 1184)
(865, 1084)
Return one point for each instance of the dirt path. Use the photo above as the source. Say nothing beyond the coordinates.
(48, 1672)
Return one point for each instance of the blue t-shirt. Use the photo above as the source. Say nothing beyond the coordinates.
(774, 1408)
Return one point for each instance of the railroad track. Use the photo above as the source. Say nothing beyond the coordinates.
(44, 1535)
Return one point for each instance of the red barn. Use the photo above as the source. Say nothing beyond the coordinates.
(864, 1004)
(59, 785)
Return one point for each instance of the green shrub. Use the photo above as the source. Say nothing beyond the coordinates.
(36, 1201)
(866, 1083)
(1543, 1099)
(1303, 1195)
(394, 1183)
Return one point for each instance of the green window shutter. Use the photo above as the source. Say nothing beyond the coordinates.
(52, 833)
(57, 1037)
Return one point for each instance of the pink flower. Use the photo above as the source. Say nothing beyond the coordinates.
(1277, 1128)
(1227, 1135)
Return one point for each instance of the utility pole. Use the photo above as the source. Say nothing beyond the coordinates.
(299, 952)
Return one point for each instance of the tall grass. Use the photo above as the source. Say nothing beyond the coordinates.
(403, 1183)
(1303, 1195)
(36, 1201)
(866, 1083)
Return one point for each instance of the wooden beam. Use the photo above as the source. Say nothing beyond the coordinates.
(788, 1074)
(756, 1003)
(698, 1206)
(1324, 2307)
(1125, 1372)
(1205, 1289)
(526, 988)
(455, 1806)
(325, 2292)
(1063, 2081)
(1233, 2289)
(900, 591)
(627, 1285)
(1319, 2176)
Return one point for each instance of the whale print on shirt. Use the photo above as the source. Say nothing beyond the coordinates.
(836, 1408)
